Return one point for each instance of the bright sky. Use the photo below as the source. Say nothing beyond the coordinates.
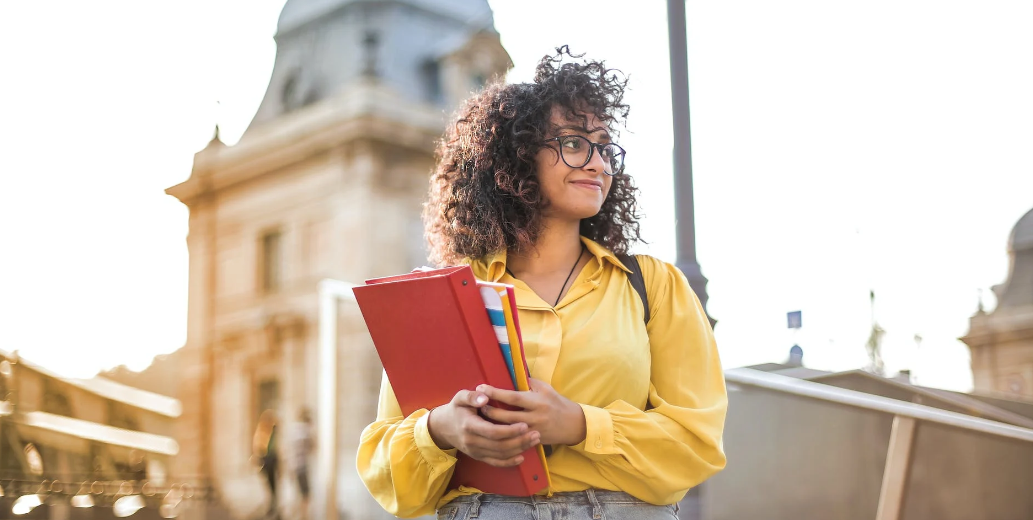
(838, 147)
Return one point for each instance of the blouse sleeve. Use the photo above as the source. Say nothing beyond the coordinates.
(398, 461)
(658, 454)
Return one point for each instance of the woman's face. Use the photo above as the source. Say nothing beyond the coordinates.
(573, 193)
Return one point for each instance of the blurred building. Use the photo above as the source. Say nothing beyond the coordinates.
(1001, 342)
(61, 437)
(803, 443)
(327, 182)
(160, 377)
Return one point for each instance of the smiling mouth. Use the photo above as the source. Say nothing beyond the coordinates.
(589, 184)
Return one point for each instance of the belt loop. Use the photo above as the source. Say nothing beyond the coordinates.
(597, 508)
(475, 511)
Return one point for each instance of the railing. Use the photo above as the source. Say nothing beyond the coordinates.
(905, 421)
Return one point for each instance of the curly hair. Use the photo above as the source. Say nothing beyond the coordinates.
(484, 193)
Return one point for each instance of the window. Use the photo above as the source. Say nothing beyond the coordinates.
(270, 262)
(122, 416)
(432, 81)
(55, 401)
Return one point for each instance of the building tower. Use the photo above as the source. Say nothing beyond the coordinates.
(327, 182)
(1001, 342)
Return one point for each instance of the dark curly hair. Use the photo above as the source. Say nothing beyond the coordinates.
(484, 193)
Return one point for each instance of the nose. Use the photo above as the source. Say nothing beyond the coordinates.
(596, 163)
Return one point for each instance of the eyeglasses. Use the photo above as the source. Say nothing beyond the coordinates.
(576, 151)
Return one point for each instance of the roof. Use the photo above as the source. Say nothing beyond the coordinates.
(299, 12)
(323, 46)
(933, 397)
(132, 396)
(103, 433)
(109, 389)
(812, 390)
(1022, 234)
(799, 372)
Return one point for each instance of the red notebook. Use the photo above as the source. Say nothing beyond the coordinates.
(434, 338)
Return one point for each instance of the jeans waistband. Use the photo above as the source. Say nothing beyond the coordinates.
(589, 497)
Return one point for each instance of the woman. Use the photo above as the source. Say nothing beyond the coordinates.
(264, 450)
(530, 190)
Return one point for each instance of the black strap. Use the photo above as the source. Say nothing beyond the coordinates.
(637, 281)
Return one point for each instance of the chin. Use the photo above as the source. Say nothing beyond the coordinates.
(582, 215)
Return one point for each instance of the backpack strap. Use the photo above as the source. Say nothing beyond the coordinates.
(637, 281)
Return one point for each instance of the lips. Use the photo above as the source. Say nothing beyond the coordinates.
(588, 183)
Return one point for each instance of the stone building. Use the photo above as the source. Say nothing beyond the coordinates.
(57, 433)
(1001, 342)
(327, 182)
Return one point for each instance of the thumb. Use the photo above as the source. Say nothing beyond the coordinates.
(538, 385)
(470, 398)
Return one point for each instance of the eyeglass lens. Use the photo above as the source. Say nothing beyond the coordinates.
(576, 151)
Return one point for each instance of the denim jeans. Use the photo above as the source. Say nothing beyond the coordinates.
(581, 505)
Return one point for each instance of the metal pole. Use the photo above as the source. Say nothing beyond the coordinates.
(324, 501)
(684, 206)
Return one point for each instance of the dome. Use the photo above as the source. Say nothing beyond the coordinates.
(1017, 291)
(322, 46)
(1022, 235)
(299, 12)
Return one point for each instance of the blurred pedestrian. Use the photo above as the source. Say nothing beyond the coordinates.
(264, 447)
(302, 446)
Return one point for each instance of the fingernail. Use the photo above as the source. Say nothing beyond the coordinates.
(482, 399)
(519, 460)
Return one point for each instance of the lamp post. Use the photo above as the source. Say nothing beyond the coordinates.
(684, 206)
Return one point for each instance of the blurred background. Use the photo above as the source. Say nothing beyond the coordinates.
(177, 179)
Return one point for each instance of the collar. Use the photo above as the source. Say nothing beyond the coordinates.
(493, 267)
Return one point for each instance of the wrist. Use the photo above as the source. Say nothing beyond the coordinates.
(435, 428)
(578, 425)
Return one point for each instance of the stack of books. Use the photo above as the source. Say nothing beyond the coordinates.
(441, 331)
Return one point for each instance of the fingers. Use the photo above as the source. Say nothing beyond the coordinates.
(504, 463)
(536, 385)
(470, 399)
(505, 416)
(502, 442)
(507, 450)
(510, 397)
(495, 432)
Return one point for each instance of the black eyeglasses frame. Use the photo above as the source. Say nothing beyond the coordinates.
(591, 150)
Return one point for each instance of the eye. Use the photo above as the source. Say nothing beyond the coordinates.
(572, 143)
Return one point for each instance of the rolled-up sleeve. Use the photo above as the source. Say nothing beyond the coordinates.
(658, 454)
(398, 461)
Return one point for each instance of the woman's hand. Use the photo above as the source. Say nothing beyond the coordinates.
(558, 419)
(458, 425)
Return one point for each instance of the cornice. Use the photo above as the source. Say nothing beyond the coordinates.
(367, 110)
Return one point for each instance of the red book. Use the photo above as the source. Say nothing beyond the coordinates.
(434, 338)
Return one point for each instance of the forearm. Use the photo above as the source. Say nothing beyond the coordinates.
(657, 455)
(402, 467)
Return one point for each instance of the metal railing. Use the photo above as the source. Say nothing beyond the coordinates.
(906, 417)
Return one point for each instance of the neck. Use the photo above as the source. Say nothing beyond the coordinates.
(557, 247)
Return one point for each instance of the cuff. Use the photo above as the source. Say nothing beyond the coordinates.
(439, 459)
(599, 438)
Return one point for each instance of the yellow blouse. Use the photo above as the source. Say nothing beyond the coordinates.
(594, 349)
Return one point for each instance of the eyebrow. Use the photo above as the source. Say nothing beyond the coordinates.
(576, 128)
